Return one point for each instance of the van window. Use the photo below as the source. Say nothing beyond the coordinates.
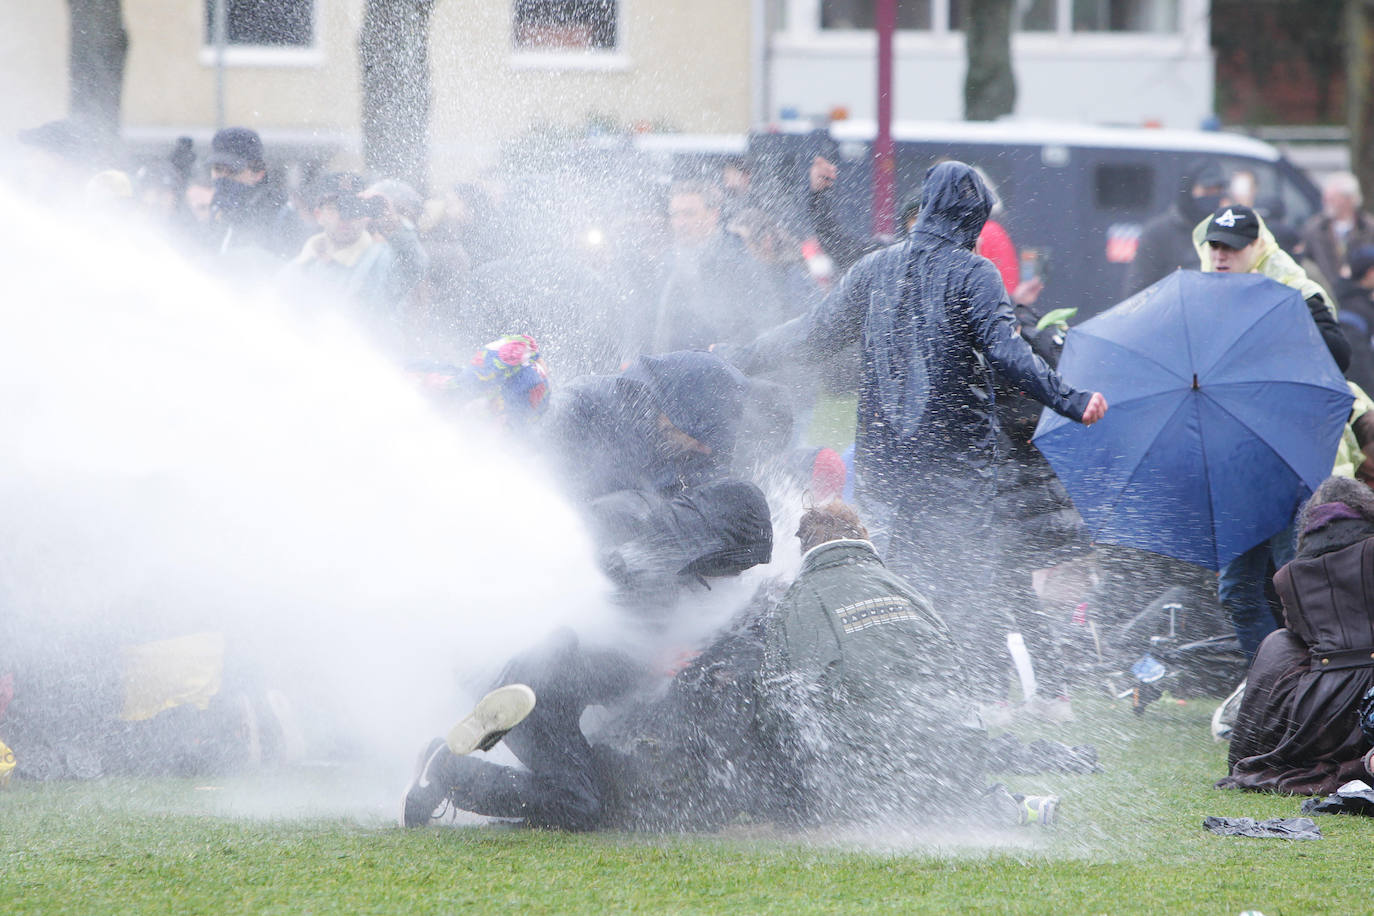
(1260, 185)
(1123, 187)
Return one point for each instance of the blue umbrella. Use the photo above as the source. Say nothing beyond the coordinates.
(1226, 410)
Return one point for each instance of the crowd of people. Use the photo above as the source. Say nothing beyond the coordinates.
(669, 378)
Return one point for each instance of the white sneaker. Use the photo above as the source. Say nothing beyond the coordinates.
(1224, 719)
(494, 715)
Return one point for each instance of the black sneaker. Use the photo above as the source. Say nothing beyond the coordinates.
(428, 789)
(494, 715)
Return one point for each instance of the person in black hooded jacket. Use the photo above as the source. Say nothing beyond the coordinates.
(665, 424)
(1166, 242)
(650, 546)
(934, 322)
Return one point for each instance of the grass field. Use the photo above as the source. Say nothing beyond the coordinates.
(1130, 841)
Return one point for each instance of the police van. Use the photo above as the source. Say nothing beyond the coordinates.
(1074, 196)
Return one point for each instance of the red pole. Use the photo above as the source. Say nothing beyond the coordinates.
(884, 156)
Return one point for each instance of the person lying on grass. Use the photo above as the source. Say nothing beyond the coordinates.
(845, 701)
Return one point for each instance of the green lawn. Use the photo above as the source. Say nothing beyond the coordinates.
(1130, 841)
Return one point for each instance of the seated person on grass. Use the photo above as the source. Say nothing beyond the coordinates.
(1297, 731)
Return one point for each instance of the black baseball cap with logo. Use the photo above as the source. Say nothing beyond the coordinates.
(1234, 226)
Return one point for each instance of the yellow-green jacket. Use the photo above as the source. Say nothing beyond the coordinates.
(1274, 263)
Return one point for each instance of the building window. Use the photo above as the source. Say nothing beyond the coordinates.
(1036, 15)
(1140, 16)
(564, 25)
(858, 14)
(264, 23)
(1125, 15)
(1028, 15)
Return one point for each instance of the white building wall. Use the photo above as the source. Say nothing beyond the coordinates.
(1095, 77)
(33, 64)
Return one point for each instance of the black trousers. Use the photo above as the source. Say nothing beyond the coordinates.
(943, 538)
(562, 785)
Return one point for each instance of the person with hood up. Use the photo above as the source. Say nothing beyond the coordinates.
(1166, 241)
(1297, 731)
(664, 424)
(1234, 239)
(935, 322)
(651, 547)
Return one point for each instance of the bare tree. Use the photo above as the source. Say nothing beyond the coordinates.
(1359, 62)
(393, 56)
(989, 85)
(95, 62)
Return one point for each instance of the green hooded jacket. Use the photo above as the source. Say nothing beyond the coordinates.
(1274, 263)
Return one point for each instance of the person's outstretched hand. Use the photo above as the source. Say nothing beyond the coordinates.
(1096, 409)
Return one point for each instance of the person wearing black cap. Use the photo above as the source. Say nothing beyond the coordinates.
(1235, 240)
(1166, 241)
(249, 210)
(57, 158)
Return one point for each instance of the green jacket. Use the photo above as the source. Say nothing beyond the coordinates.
(870, 663)
(1274, 263)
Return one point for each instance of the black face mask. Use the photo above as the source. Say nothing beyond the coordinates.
(230, 195)
(1205, 205)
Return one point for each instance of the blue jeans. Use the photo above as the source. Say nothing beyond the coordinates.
(1240, 588)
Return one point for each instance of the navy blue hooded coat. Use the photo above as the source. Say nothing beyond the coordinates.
(934, 320)
(605, 430)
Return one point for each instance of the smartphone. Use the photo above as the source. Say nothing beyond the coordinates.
(1035, 264)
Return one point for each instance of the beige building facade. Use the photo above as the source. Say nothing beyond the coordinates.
(499, 68)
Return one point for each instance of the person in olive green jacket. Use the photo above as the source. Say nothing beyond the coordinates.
(845, 701)
(865, 667)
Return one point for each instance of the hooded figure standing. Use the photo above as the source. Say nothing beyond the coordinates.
(934, 321)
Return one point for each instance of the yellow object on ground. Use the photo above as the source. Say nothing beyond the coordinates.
(6, 764)
(171, 672)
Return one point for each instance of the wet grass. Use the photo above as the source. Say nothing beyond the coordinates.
(1130, 841)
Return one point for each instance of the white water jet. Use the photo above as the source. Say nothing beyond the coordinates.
(178, 457)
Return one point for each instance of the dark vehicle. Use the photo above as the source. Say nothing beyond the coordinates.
(1076, 196)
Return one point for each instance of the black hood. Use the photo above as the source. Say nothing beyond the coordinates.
(727, 527)
(646, 541)
(699, 392)
(955, 203)
(602, 435)
(1205, 172)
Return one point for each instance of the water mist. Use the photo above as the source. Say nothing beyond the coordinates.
(176, 457)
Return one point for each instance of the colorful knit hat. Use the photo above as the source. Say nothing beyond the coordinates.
(512, 375)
